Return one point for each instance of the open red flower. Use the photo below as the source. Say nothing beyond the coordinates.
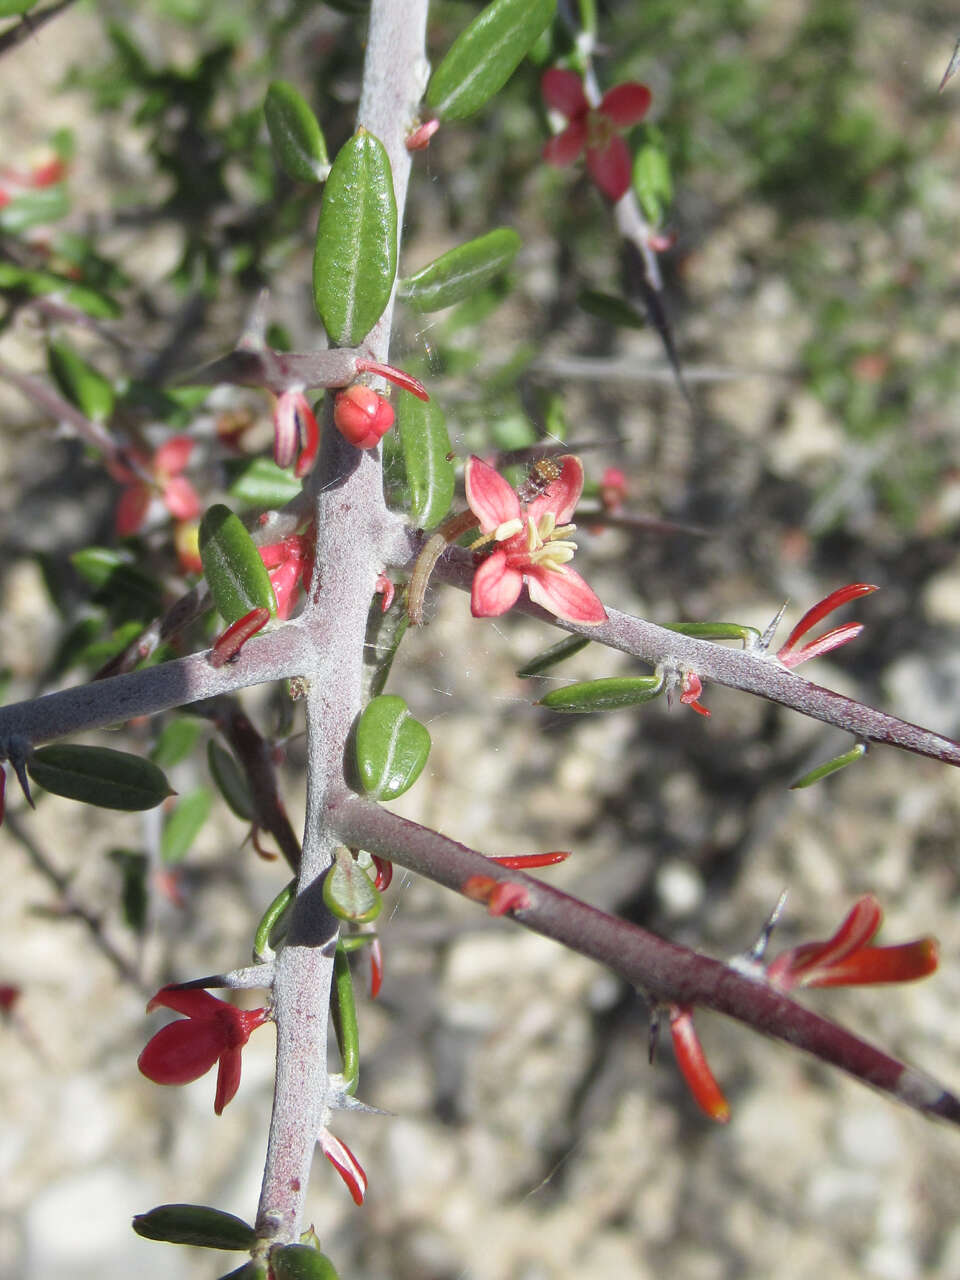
(595, 130)
(165, 470)
(847, 960)
(532, 544)
(213, 1032)
(790, 656)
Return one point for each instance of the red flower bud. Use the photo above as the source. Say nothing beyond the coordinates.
(362, 416)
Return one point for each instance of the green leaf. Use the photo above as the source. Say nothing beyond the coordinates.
(565, 648)
(614, 310)
(301, 1262)
(195, 1224)
(652, 181)
(425, 444)
(604, 695)
(229, 780)
(349, 892)
(82, 385)
(344, 1011)
(259, 482)
(356, 255)
(392, 747)
(237, 577)
(183, 825)
(9, 8)
(461, 272)
(295, 133)
(272, 926)
(484, 56)
(856, 752)
(34, 208)
(715, 631)
(133, 868)
(117, 582)
(177, 739)
(41, 283)
(99, 775)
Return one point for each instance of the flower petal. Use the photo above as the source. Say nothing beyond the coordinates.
(495, 587)
(563, 91)
(181, 1052)
(563, 148)
(132, 507)
(228, 1079)
(194, 1002)
(693, 1064)
(181, 499)
(626, 104)
(489, 496)
(172, 456)
(610, 168)
(565, 594)
(904, 962)
(843, 595)
(561, 495)
(817, 648)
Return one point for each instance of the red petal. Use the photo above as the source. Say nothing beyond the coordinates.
(308, 433)
(284, 580)
(843, 595)
(132, 509)
(565, 147)
(561, 495)
(384, 873)
(345, 1163)
(563, 91)
(392, 374)
(528, 861)
(489, 496)
(285, 431)
(626, 104)
(693, 1064)
(182, 1051)
(495, 587)
(172, 456)
(228, 1079)
(817, 648)
(195, 1002)
(229, 643)
(376, 968)
(903, 963)
(565, 594)
(181, 499)
(610, 168)
(858, 927)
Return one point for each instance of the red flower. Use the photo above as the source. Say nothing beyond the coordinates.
(164, 469)
(691, 687)
(846, 959)
(186, 1050)
(346, 1164)
(595, 130)
(290, 565)
(790, 656)
(294, 427)
(532, 545)
(362, 416)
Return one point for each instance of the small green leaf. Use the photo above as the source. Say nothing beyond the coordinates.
(34, 208)
(133, 869)
(259, 482)
(184, 825)
(9, 8)
(177, 739)
(715, 631)
(41, 283)
(195, 1224)
(483, 57)
(461, 272)
(235, 574)
(272, 926)
(614, 310)
(99, 775)
(230, 780)
(344, 1011)
(349, 892)
(295, 133)
(82, 385)
(425, 444)
(301, 1262)
(856, 752)
(652, 181)
(392, 747)
(356, 255)
(604, 695)
(565, 648)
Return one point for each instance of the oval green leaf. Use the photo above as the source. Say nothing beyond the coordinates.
(296, 135)
(301, 1262)
(195, 1224)
(425, 444)
(229, 780)
(461, 272)
(604, 695)
(35, 208)
(483, 57)
(355, 261)
(715, 631)
(349, 892)
(392, 747)
(8, 8)
(259, 482)
(610, 308)
(99, 775)
(82, 385)
(176, 741)
(563, 649)
(235, 574)
(184, 825)
(41, 283)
